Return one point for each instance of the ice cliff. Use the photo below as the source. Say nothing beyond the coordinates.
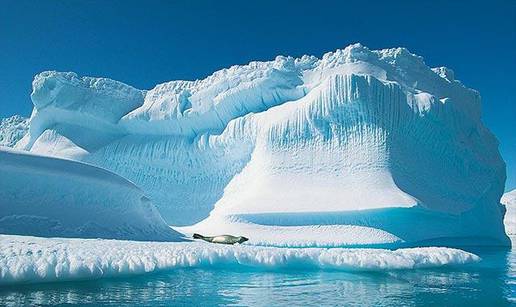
(359, 147)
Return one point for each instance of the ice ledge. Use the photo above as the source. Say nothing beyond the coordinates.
(33, 260)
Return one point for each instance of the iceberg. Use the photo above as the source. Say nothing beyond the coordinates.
(31, 259)
(358, 148)
(45, 196)
(509, 201)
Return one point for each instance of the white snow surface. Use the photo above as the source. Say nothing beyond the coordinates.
(509, 200)
(47, 196)
(32, 259)
(367, 138)
(12, 129)
(304, 235)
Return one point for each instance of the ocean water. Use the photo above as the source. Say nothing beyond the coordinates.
(491, 282)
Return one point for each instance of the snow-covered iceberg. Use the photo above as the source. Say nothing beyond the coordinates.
(50, 197)
(30, 259)
(360, 147)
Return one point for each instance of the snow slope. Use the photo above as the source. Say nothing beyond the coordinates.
(509, 200)
(30, 259)
(370, 144)
(46, 196)
(12, 129)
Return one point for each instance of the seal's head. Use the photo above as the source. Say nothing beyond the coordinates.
(242, 239)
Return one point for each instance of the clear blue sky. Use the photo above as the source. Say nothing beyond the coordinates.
(147, 42)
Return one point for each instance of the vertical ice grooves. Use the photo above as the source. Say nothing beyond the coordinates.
(353, 121)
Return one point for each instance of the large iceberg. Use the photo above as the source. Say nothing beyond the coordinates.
(52, 197)
(358, 148)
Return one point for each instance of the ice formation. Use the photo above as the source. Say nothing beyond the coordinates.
(47, 197)
(12, 129)
(360, 147)
(30, 259)
(509, 200)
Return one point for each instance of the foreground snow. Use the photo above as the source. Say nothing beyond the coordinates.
(297, 236)
(32, 259)
(389, 227)
(46, 196)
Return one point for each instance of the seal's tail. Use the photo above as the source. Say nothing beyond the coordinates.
(197, 236)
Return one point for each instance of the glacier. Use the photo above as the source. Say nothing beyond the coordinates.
(26, 259)
(51, 197)
(358, 148)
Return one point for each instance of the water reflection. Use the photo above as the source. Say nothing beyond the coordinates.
(490, 283)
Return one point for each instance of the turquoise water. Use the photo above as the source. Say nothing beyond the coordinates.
(492, 282)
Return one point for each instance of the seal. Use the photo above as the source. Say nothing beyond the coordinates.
(222, 239)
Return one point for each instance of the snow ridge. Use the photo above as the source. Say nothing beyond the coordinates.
(49, 197)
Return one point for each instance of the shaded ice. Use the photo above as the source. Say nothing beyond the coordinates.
(46, 196)
(13, 129)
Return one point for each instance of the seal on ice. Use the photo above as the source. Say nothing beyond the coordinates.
(222, 239)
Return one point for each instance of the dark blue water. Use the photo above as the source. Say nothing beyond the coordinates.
(492, 282)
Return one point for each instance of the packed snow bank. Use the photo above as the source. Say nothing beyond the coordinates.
(13, 129)
(46, 196)
(509, 200)
(296, 235)
(391, 227)
(260, 144)
(30, 259)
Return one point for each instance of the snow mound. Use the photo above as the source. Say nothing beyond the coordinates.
(509, 200)
(46, 196)
(369, 138)
(30, 259)
(12, 129)
(308, 234)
